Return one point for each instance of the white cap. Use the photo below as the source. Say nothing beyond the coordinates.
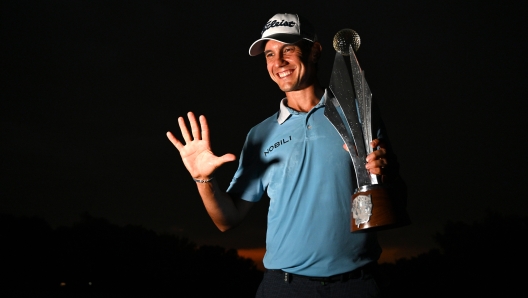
(285, 28)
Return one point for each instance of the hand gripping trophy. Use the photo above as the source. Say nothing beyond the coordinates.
(374, 205)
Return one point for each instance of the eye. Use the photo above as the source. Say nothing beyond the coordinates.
(268, 54)
(288, 49)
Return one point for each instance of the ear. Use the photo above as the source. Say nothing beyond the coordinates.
(316, 52)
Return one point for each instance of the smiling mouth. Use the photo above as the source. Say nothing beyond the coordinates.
(284, 73)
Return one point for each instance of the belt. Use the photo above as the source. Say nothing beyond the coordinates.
(354, 274)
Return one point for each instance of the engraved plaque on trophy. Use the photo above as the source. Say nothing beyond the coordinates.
(375, 205)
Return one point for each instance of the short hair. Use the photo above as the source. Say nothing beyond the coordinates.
(306, 47)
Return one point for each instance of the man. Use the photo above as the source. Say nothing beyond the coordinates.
(299, 159)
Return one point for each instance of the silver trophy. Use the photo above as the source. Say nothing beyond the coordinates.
(374, 205)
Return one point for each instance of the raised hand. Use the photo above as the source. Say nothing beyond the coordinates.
(196, 154)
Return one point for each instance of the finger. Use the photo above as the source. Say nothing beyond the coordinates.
(380, 153)
(220, 160)
(345, 147)
(377, 143)
(376, 166)
(226, 158)
(194, 126)
(184, 130)
(174, 140)
(381, 163)
(205, 128)
(376, 171)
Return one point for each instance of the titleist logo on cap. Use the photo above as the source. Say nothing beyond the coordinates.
(275, 23)
(285, 28)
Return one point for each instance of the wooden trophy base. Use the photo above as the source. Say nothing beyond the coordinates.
(386, 205)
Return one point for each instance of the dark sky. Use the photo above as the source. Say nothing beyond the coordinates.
(89, 89)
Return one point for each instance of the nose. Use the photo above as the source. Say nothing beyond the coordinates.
(279, 61)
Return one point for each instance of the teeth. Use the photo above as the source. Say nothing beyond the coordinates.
(283, 74)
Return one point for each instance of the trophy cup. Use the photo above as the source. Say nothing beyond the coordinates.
(375, 206)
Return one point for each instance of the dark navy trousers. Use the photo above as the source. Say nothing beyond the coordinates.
(276, 285)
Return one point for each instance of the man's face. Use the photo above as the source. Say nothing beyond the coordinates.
(288, 66)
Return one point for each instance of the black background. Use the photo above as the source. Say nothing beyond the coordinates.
(89, 89)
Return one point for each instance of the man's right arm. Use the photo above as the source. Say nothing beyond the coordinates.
(225, 211)
(197, 156)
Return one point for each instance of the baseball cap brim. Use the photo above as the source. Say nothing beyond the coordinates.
(258, 46)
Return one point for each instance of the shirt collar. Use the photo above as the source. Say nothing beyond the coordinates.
(285, 111)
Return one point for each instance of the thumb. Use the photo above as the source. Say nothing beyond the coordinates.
(226, 158)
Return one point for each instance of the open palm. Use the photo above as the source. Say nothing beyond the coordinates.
(196, 154)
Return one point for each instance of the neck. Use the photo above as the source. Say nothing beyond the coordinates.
(304, 100)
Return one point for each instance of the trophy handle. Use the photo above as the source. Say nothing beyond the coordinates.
(379, 208)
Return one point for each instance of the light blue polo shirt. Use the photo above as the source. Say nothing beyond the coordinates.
(299, 160)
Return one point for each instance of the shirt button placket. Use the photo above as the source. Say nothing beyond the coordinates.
(308, 126)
